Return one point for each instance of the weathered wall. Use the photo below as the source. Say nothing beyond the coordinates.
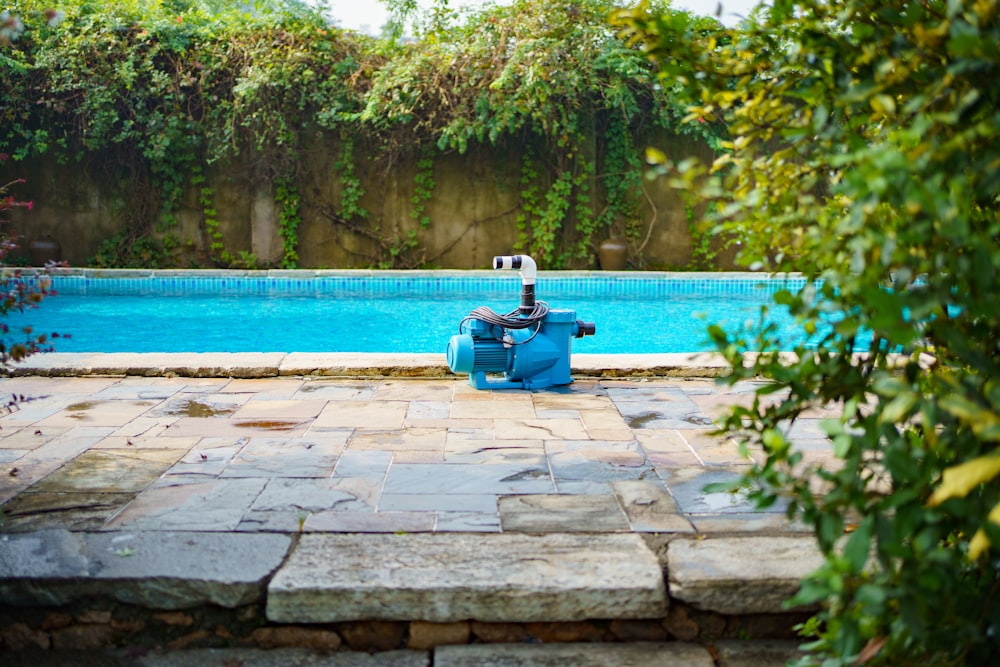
(473, 211)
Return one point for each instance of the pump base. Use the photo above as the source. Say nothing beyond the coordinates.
(478, 380)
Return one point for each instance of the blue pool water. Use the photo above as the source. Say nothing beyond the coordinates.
(395, 312)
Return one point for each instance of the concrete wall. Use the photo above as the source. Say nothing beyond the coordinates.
(473, 211)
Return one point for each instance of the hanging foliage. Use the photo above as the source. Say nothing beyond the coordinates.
(162, 90)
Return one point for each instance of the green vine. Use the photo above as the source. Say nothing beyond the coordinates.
(351, 190)
(622, 180)
(398, 247)
(703, 252)
(217, 248)
(209, 218)
(548, 223)
(529, 201)
(587, 224)
(423, 191)
(289, 220)
(541, 219)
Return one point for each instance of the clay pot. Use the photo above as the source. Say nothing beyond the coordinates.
(44, 251)
(613, 255)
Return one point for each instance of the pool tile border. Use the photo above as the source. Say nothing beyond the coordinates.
(413, 282)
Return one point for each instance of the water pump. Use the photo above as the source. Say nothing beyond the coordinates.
(530, 345)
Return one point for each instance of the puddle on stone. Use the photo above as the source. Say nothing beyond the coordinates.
(80, 407)
(646, 417)
(526, 474)
(320, 386)
(721, 501)
(76, 511)
(699, 420)
(268, 425)
(193, 408)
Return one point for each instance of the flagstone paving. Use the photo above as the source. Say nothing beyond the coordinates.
(421, 500)
(339, 455)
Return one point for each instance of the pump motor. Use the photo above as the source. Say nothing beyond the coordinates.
(529, 346)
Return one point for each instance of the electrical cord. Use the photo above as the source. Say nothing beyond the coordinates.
(512, 320)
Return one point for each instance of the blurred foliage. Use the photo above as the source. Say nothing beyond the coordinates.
(20, 289)
(865, 151)
(163, 89)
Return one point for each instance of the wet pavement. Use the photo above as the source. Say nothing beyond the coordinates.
(414, 500)
(307, 454)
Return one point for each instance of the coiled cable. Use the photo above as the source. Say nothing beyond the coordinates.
(512, 320)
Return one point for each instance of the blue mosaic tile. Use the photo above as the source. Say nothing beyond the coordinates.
(424, 283)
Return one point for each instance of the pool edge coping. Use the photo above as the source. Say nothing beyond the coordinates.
(342, 364)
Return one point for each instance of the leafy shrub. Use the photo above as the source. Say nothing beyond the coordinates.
(866, 152)
(20, 290)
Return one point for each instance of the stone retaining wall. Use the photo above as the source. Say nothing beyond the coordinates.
(97, 624)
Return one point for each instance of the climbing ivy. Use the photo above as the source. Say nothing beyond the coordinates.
(587, 224)
(548, 73)
(622, 179)
(160, 90)
(289, 219)
(351, 190)
(423, 191)
(209, 220)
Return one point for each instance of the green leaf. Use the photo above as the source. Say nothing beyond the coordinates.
(858, 545)
(980, 542)
(883, 105)
(984, 422)
(958, 481)
(655, 156)
(899, 408)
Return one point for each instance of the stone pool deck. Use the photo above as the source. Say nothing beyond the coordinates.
(360, 504)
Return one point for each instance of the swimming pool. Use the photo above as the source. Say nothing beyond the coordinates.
(391, 311)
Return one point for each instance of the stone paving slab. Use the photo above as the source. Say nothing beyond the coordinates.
(562, 513)
(289, 657)
(740, 575)
(673, 654)
(158, 569)
(649, 508)
(493, 578)
(757, 653)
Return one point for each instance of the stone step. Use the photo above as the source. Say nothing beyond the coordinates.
(443, 578)
(578, 655)
(154, 569)
(437, 577)
(740, 575)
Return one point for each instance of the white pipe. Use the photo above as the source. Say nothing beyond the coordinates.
(523, 262)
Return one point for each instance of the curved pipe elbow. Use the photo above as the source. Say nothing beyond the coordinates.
(528, 270)
(524, 263)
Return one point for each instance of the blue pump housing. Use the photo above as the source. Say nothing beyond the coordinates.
(530, 347)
